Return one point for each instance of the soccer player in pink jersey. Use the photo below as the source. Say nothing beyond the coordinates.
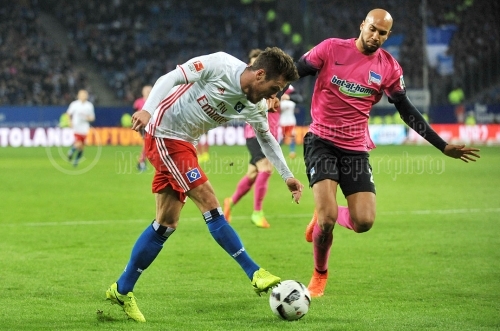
(259, 169)
(138, 104)
(351, 75)
(201, 94)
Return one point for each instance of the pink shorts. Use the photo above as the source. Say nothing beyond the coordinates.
(176, 165)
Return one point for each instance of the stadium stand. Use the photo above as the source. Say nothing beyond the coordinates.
(35, 70)
(134, 42)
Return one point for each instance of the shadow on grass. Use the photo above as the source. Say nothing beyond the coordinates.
(105, 317)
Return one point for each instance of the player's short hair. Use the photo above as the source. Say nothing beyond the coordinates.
(276, 63)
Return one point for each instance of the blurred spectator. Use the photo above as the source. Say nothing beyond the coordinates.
(456, 98)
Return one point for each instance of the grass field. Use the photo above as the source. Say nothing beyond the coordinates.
(431, 261)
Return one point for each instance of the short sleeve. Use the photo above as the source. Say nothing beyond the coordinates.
(395, 87)
(316, 57)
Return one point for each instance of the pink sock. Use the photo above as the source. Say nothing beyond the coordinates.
(243, 187)
(344, 219)
(322, 243)
(260, 189)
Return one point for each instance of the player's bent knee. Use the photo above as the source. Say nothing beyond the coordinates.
(363, 225)
(326, 224)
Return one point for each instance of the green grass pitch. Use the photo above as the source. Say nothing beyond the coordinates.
(431, 261)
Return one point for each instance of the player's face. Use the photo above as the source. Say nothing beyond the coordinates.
(83, 95)
(373, 34)
(264, 89)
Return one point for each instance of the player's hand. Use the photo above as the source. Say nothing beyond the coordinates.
(295, 186)
(273, 105)
(461, 152)
(140, 119)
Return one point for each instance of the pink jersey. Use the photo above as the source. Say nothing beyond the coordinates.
(348, 84)
(273, 118)
(139, 103)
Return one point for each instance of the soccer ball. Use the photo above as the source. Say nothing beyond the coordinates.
(290, 300)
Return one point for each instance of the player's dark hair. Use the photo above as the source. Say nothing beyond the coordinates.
(276, 63)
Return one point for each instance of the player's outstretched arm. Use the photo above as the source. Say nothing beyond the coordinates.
(295, 186)
(461, 152)
(416, 121)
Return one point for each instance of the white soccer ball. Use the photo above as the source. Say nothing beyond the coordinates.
(290, 300)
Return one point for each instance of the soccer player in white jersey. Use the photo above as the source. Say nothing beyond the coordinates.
(81, 114)
(259, 168)
(199, 95)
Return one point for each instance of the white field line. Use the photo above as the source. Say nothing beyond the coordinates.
(288, 216)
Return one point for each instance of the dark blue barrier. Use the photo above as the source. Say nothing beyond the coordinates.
(48, 116)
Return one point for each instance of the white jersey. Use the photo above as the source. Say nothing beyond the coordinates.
(202, 94)
(79, 113)
(287, 117)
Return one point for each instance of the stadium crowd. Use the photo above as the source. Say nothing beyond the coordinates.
(34, 69)
(134, 42)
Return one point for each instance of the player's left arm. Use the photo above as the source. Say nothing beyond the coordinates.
(414, 119)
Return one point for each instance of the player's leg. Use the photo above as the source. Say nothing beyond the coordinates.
(204, 198)
(242, 188)
(79, 144)
(145, 250)
(169, 203)
(359, 216)
(324, 193)
(322, 168)
(150, 242)
(71, 151)
(264, 171)
(359, 189)
(247, 181)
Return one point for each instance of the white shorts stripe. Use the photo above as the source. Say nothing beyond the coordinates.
(167, 160)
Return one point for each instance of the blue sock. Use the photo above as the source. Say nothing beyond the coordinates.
(146, 249)
(292, 145)
(78, 156)
(228, 239)
(71, 152)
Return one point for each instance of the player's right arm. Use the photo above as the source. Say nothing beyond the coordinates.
(196, 69)
(159, 92)
(161, 89)
(311, 62)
